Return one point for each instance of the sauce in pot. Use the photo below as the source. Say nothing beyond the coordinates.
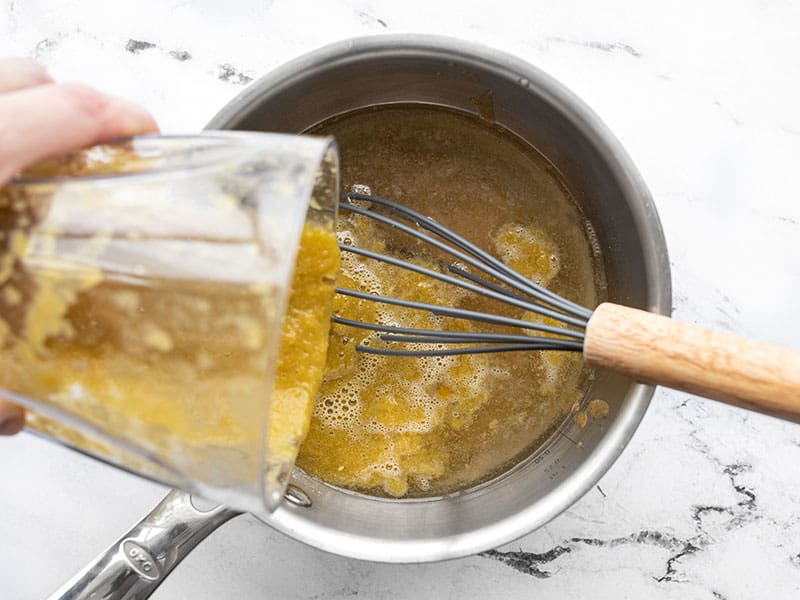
(427, 426)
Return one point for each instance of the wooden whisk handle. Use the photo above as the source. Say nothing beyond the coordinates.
(655, 349)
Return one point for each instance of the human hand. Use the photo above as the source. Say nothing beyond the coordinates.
(41, 119)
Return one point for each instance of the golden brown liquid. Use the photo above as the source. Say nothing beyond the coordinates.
(303, 343)
(425, 426)
(176, 367)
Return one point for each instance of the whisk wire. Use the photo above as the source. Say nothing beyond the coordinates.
(460, 351)
(461, 313)
(406, 334)
(484, 282)
(495, 292)
(540, 293)
(524, 294)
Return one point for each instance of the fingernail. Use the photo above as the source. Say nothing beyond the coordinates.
(12, 425)
(137, 120)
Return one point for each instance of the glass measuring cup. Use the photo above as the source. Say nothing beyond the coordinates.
(141, 304)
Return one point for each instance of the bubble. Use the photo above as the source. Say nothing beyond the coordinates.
(428, 392)
(592, 237)
(361, 188)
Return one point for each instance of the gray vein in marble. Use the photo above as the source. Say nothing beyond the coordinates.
(181, 55)
(728, 112)
(136, 46)
(528, 562)
(717, 311)
(646, 536)
(701, 510)
(230, 74)
(788, 220)
(367, 19)
(611, 47)
(225, 71)
(729, 311)
(718, 596)
(681, 549)
(43, 47)
(746, 509)
(678, 299)
(732, 471)
(12, 16)
(671, 574)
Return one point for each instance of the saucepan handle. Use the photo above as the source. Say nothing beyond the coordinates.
(653, 348)
(134, 566)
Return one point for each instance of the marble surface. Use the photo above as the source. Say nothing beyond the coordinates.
(704, 94)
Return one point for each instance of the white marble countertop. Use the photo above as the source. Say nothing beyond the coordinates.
(705, 95)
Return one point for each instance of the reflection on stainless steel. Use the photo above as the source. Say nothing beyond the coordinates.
(135, 565)
(410, 68)
(389, 69)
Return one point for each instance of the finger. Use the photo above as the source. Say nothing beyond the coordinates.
(12, 418)
(49, 120)
(19, 73)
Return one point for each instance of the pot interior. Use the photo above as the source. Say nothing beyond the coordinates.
(500, 89)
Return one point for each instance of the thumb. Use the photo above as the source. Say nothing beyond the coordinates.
(48, 120)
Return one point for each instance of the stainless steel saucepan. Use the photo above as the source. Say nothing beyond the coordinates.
(421, 69)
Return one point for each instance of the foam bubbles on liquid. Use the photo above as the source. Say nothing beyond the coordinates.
(592, 237)
(389, 397)
(527, 250)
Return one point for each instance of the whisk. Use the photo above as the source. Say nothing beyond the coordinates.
(644, 346)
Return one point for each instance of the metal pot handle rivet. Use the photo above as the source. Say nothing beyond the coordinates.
(134, 566)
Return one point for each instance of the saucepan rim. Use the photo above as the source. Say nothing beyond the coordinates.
(290, 519)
